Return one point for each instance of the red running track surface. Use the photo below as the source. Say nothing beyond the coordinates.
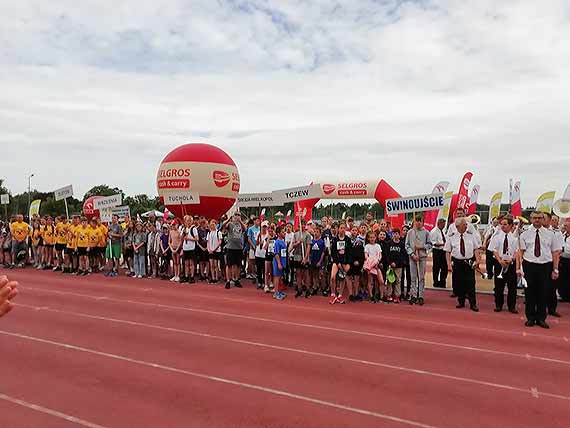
(121, 352)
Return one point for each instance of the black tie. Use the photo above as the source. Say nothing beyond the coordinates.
(506, 244)
(462, 246)
(442, 235)
(537, 244)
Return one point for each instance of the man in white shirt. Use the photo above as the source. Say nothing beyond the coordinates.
(504, 246)
(460, 213)
(537, 260)
(564, 280)
(461, 248)
(439, 269)
(551, 223)
(490, 261)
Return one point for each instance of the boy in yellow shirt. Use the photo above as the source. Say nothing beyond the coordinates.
(94, 238)
(61, 227)
(71, 256)
(102, 244)
(48, 236)
(19, 230)
(82, 234)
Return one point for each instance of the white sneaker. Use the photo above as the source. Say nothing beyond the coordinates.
(173, 279)
(266, 289)
(139, 277)
(177, 279)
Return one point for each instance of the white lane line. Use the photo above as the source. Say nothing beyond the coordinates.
(299, 351)
(325, 328)
(515, 333)
(218, 379)
(50, 412)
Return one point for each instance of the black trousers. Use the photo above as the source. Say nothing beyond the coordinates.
(491, 265)
(439, 269)
(260, 267)
(538, 278)
(564, 279)
(510, 281)
(463, 281)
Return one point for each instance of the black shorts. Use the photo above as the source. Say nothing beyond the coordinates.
(60, 247)
(49, 245)
(82, 251)
(298, 265)
(202, 255)
(269, 257)
(128, 252)
(6, 250)
(354, 270)
(234, 257)
(189, 255)
(215, 256)
(69, 251)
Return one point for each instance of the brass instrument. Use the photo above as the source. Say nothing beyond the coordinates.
(474, 219)
(562, 206)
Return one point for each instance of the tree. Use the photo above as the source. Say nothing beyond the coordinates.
(103, 190)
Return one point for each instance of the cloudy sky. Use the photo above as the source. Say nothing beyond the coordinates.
(413, 92)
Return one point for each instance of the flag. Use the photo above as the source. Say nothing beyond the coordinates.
(462, 201)
(288, 216)
(545, 201)
(495, 206)
(473, 200)
(516, 207)
(262, 215)
(444, 211)
(343, 215)
(430, 217)
(166, 214)
(35, 208)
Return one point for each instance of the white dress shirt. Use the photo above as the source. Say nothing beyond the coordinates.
(548, 244)
(498, 242)
(453, 245)
(558, 238)
(565, 245)
(436, 237)
(470, 229)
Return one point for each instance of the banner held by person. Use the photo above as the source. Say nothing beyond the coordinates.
(413, 204)
(545, 201)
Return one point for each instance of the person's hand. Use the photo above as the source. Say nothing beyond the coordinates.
(415, 258)
(450, 267)
(520, 273)
(8, 291)
(393, 265)
(356, 263)
(555, 275)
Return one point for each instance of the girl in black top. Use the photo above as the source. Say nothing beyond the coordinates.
(341, 255)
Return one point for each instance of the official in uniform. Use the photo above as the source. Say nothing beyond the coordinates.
(564, 280)
(504, 247)
(551, 223)
(439, 268)
(462, 260)
(537, 261)
(490, 261)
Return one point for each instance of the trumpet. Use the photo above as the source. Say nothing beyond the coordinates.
(522, 220)
(503, 270)
(474, 219)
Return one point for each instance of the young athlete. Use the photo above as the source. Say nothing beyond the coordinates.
(279, 264)
(373, 255)
(396, 260)
(94, 239)
(190, 238)
(269, 247)
(35, 242)
(139, 250)
(82, 234)
(174, 243)
(341, 255)
(316, 260)
(113, 250)
(60, 242)
(214, 247)
(357, 261)
(48, 237)
(128, 234)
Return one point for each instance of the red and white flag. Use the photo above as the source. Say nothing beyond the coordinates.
(430, 217)
(473, 200)
(516, 208)
(262, 215)
(462, 195)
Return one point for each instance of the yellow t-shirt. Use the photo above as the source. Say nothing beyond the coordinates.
(35, 236)
(71, 236)
(104, 234)
(82, 236)
(61, 233)
(94, 237)
(48, 234)
(19, 231)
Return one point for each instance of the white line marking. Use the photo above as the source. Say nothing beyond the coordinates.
(47, 411)
(534, 392)
(319, 327)
(226, 381)
(299, 351)
(566, 339)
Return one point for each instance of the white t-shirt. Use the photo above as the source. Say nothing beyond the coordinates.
(214, 238)
(192, 231)
(289, 240)
(373, 250)
(260, 247)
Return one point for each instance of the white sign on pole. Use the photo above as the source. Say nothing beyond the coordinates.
(5, 199)
(108, 202)
(295, 194)
(432, 201)
(108, 213)
(63, 193)
(182, 198)
(258, 199)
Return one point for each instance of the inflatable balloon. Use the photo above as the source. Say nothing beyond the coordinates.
(198, 179)
(88, 210)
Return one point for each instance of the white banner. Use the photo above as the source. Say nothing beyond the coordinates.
(108, 213)
(258, 199)
(5, 199)
(63, 193)
(108, 202)
(295, 194)
(181, 198)
(432, 201)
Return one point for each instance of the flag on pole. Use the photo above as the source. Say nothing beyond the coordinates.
(288, 216)
(35, 208)
(495, 206)
(430, 217)
(473, 200)
(464, 190)
(545, 201)
(444, 211)
(262, 215)
(516, 207)
(166, 214)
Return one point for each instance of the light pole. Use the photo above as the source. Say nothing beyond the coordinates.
(29, 192)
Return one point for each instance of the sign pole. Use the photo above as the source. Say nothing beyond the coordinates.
(66, 210)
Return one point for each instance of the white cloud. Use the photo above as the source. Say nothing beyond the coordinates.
(409, 91)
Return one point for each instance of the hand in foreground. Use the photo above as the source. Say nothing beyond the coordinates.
(8, 291)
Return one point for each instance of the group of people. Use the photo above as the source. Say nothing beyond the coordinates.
(340, 260)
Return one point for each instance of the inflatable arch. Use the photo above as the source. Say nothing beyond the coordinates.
(366, 189)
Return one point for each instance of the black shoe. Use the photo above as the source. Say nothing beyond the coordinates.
(192, 280)
(554, 314)
(308, 294)
(413, 301)
(513, 311)
(228, 285)
(474, 308)
(542, 324)
(407, 297)
(453, 296)
(460, 305)
(298, 293)
(421, 301)
(372, 299)
(237, 284)
(529, 323)
(498, 309)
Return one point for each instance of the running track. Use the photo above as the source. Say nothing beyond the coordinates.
(98, 352)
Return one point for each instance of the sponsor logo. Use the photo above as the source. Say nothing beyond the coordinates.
(352, 192)
(352, 185)
(221, 178)
(235, 187)
(466, 183)
(174, 172)
(328, 188)
(174, 184)
(439, 188)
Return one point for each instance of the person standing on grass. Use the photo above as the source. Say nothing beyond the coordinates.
(537, 261)
(417, 247)
(279, 264)
(8, 292)
(175, 243)
(235, 228)
(113, 250)
(139, 250)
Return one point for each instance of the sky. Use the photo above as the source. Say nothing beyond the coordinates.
(295, 91)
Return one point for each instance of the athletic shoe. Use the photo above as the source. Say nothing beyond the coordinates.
(56, 268)
(396, 299)
(308, 294)
(390, 299)
(298, 293)
(177, 279)
(237, 284)
(413, 301)
(421, 301)
(85, 273)
(106, 274)
(281, 295)
(341, 300)
(371, 299)
(351, 298)
(266, 289)
(332, 299)
(228, 285)
(275, 294)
